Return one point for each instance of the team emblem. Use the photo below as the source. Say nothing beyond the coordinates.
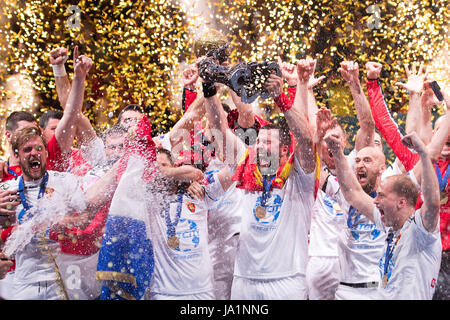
(49, 191)
(190, 206)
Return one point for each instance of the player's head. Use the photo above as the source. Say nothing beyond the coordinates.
(338, 131)
(49, 121)
(396, 199)
(130, 116)
(164, 158)
(18, 120)
(272, 148)
(113, 139)
(370, 163)
(29, 145)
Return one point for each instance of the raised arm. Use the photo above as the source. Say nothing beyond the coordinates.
(365, 135)
(101, 192)
(185, 173)
(429, 184)
(297, 118)
(414, 86)
(428, 100)
(58, 57)
(65, 132)
(290, 75)
(181, 130)
(84, 131)
(229, 144)
(384, 120)
(351, 189)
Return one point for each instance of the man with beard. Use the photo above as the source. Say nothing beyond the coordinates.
(327, 222)
(59, 148)
(34, 277)
(409, 262)
(276, 189)
(359, 243)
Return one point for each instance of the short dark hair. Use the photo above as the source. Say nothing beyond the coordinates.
(16, 116)
(167, 153)
(20, 137)
(130, 107)
(47, 115)
(403, 186)
(284, 133)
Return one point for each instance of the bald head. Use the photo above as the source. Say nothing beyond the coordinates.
(370, 163)
(374, 152)
(402, 186)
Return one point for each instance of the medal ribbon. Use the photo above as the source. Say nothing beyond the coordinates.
(266, 190)
(171, 225)
(442, 181)
(389, 251)
(23, 199)
(11, 171)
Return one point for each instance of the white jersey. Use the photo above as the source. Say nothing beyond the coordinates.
(224, 220)
(276, 246)
(32, 263)
(327, 221)
(360, 247)
(187, 269)
(416, 258)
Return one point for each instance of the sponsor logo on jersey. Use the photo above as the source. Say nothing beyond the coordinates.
(49, 191)
(188, 233)
(273, 208)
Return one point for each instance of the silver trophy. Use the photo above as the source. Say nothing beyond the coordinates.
(246, 79)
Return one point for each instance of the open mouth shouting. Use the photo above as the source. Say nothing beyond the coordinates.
(362, 177)
(34, 167)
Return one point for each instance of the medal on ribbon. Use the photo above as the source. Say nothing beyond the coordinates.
(23, 199)
(260, 211)
(172, 241)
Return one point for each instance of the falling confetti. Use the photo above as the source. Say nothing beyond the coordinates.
(139, 47)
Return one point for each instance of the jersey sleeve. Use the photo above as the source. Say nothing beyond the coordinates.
(56, 160)
(422, 236)
(387, 126)
(189, 97)
(213, 188)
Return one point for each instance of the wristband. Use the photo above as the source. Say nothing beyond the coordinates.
(59, 70)
(283, 102)
(209, 89)
(376, 79)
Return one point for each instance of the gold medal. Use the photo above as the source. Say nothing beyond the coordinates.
(444, 197)
(9, 206)
(384, 281)
(173, 242)
(260, 212)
